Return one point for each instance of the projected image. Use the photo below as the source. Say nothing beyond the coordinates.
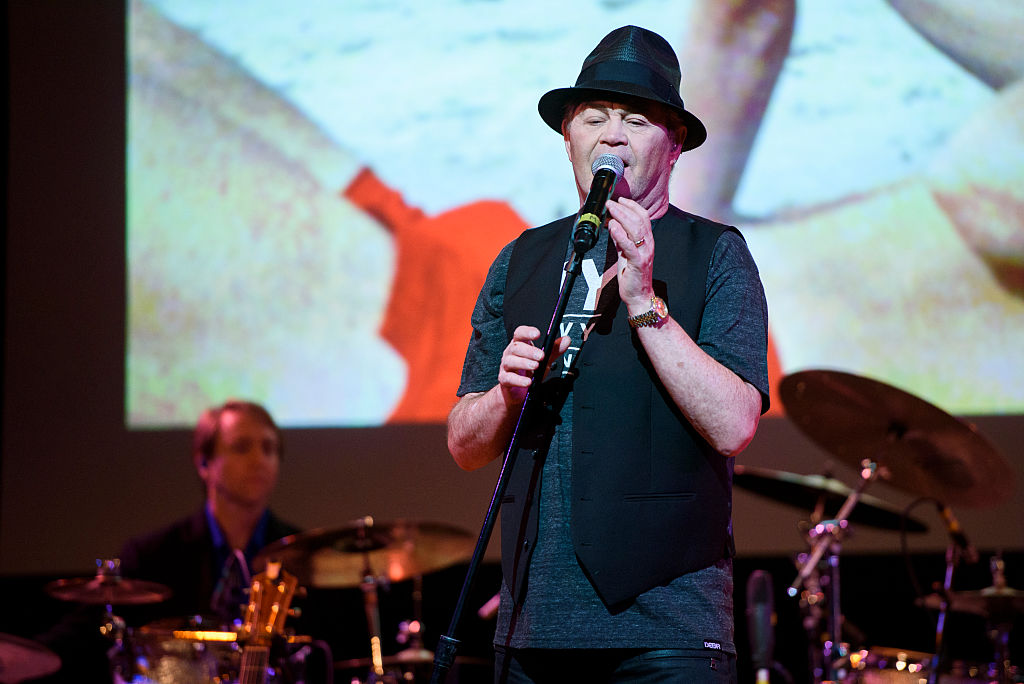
(316, 190)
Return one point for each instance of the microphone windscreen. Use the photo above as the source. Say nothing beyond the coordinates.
(610, 162)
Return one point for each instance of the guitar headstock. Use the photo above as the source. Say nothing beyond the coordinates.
(270, 597)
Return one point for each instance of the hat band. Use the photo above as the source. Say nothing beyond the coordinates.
(632, 73)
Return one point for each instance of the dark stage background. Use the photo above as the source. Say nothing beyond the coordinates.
(76, 482)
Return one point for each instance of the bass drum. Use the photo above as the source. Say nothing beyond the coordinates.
(901, 666)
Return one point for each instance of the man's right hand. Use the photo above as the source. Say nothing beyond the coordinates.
(480, 426)
(520, 361)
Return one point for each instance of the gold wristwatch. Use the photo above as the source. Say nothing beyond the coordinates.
(658, 313)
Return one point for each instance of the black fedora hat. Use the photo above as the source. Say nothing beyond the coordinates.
(628, 61)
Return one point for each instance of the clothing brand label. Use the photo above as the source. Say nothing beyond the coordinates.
(713, 645)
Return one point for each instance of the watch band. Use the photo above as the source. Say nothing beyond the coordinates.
(657, 313)
(644, 319)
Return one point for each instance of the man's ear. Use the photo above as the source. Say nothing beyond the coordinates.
(200, 462)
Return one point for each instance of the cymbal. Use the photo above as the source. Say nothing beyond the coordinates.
(418, 656)
(805, 491)
(22, 659)
(111, 589)
(997, 603)
(346, 556)
(925, 450)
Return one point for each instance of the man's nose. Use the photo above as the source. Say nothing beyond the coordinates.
(614, 132)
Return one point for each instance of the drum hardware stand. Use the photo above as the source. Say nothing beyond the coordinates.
(999, 630)
(448, 644)
(999, 625)
(955, 552)
(410, 632)
(113, 626)
(371, 603)
(811, 600)
(952, 557)
(827, 535)
(821, 605)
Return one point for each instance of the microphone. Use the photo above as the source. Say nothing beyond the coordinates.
(607, 168)
(761, 623)
(956, 533)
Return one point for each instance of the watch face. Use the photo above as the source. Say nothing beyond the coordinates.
(659, 307)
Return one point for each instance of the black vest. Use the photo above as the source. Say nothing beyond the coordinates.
(651, 500)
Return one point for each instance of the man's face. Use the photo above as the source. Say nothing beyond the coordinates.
(636, 134)
(245, 462)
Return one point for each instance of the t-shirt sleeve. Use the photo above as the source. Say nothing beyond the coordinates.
(734, 329)
(489, 337)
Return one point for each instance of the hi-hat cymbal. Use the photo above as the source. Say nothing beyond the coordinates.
(111, 589)
(807, 491)
(995, 603)
(346, 556)
(925, 450)
(21, 660)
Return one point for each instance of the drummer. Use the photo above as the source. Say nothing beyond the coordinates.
(206, 557)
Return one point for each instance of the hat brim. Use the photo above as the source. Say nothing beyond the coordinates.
(552, 106)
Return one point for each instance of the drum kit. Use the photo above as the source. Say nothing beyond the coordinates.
(883, 432)
(888, 434)
(253, 649)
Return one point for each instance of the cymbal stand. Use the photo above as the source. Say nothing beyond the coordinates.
(825, 573)
(999, 632)
(999, 625)
(372, 607)
(829, 537)
(952, 555)
(812, 599)
(113, 626)
(411, 631)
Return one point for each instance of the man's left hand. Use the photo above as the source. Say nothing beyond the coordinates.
(629, 226)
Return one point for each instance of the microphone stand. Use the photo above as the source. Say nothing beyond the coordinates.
(583, 240)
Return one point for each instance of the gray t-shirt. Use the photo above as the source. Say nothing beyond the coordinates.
(561, 608)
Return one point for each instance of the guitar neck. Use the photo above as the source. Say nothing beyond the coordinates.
(253, 669)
